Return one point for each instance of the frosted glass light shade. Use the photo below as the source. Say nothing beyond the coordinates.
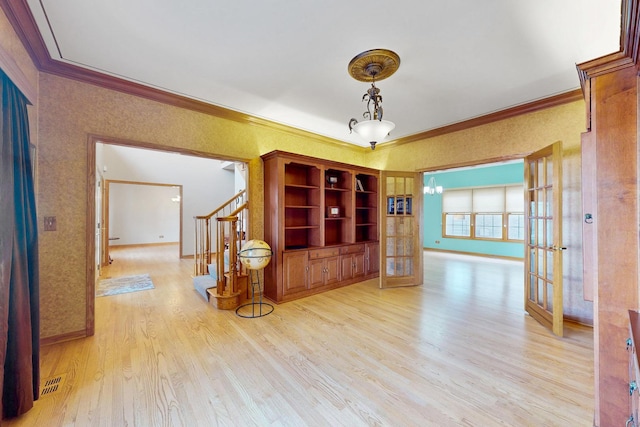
(373, 130)
(432, 188)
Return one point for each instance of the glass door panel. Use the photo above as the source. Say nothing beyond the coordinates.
(401, 202)
(543, 275)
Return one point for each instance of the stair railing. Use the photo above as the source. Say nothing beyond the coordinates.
(206, 233)
(227, 279)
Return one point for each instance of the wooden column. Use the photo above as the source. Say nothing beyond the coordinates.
(613, 104)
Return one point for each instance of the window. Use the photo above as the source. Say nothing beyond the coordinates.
(515, 226)
(488, 226)
(458, 225)
(487, 213)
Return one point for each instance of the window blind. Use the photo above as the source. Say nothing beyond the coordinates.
(457, 200)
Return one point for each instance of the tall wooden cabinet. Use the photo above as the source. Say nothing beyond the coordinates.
(321, 220)
(611, 246)
(634, 368)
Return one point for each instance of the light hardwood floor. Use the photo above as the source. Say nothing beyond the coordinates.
(457, 351)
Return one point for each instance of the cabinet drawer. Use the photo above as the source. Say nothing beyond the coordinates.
(323, 253)
(351, 249)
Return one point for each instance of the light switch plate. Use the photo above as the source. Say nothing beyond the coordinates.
(49, 223)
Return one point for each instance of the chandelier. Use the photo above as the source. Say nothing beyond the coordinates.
(432, 188)
(369, 66)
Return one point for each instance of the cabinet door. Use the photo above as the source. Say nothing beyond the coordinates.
(358, 264)
(295, 272)
(316, 273)
(352, 266)
(323, 271)
(332, 270)
(346, 264)
(372, 258)
(352, 261)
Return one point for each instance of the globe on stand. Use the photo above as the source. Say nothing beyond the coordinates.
(255, 255)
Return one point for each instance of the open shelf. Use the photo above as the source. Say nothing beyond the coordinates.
(302, 205)
(322, 229)
(366, 207)
(338, 196)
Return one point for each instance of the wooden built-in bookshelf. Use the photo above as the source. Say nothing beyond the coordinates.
(321, 220)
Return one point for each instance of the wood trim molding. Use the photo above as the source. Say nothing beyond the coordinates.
(603, 65)
(106, 81)
(627, 56)
(17, 76)
(160, 147)
(500, 159)
(21, 19)
(90, 240)
(541, 104)
(629, 31)
(63, 337)
(153, 184)
(23, 23)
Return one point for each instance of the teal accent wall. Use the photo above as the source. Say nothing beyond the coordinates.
(510, 173)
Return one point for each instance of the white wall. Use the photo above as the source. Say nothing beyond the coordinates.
(205, 184)
(140, 214)
(240, 177)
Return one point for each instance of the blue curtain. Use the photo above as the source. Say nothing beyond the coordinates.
(19, 295)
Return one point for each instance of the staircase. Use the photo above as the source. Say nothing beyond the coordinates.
(218, 274)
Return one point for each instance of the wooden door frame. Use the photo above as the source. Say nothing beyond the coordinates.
(499, 160)
(475, 163)
(92, 141)
(106, 204)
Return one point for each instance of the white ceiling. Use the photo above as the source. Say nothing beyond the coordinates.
(286, 60)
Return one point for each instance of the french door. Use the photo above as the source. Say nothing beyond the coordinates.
(401, 232)
(543, 265)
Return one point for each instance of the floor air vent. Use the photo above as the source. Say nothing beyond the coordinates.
(51, 385)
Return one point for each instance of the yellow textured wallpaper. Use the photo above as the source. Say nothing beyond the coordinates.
(69, 112)
(517, 136)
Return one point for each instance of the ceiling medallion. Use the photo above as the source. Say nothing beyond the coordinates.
(369, 66)
(374, 64)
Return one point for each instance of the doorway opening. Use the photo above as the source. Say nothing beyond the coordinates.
(476, 209)
(144, 213)
(577, 308)
(197, 183)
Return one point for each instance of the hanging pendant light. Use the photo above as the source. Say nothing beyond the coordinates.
(432, 188)
(369, 66)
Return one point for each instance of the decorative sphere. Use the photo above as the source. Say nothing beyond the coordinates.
(255, 254)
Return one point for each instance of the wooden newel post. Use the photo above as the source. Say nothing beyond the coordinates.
(228, 292)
